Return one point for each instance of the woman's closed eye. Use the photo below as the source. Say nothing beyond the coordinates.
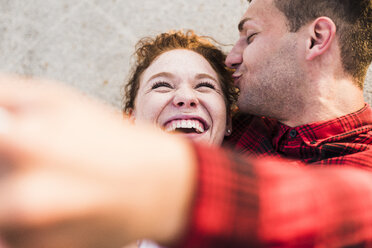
(161, 84)
(205, 84)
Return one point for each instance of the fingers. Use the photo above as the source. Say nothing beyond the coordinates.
(54, 208)
(39, 196)
(19, 90)
(15, 143)
(38, 118)
(4, 121)
(84, 233)
(6, 148)
(24, 107)
(16, 91)
(2, 244)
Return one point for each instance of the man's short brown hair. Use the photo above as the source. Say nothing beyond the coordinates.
(354, 30)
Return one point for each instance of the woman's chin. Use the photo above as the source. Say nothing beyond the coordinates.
(197, 137)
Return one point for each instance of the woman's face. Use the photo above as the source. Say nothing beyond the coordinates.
(181, 92)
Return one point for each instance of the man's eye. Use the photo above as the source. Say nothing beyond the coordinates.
(160, 84)
(205, 84)
(250, 38)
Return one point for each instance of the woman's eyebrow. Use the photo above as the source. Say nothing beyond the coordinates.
(204, 75)
(171, 75)
(161, 74)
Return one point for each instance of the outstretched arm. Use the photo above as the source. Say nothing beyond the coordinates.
(275, 202)
(74, 174)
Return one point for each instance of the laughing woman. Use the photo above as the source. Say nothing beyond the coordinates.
(181, 84)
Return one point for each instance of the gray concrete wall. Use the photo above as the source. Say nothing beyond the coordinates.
(88, 43)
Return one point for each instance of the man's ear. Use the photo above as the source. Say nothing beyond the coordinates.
(322, 33)
(228, 130)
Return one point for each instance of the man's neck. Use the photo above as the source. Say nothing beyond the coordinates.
(327, 102)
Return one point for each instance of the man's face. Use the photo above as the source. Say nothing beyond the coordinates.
(267, 62)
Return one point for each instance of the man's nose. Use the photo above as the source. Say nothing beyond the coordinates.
(235, 57)
(185, 97)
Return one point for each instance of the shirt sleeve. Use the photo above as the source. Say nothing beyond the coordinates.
(270, 202)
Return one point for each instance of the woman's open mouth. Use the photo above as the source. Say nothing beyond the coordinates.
(186, 126)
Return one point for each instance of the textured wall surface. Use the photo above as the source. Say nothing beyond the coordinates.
(88, 43)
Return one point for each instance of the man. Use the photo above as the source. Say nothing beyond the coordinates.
(298, 68)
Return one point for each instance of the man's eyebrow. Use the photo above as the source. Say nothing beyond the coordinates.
(242, 22)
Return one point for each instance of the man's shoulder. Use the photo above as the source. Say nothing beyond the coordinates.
(242, 122)
(249, 128)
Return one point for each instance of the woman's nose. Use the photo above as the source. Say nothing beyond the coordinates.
(185, 98)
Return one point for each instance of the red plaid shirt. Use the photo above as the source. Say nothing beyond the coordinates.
(285, 199)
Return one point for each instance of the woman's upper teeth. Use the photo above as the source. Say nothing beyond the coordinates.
(195, 124)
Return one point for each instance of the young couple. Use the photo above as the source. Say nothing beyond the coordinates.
(78, 176)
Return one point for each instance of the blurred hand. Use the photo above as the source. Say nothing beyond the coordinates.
(131, 245)
(73, 173)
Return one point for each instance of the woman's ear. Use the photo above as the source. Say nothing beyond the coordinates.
(322, 33)
(228, 130)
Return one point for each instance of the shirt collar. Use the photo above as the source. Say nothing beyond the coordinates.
(318, 132)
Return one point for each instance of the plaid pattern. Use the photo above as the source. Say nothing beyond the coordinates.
(284, 199)
(338, 141)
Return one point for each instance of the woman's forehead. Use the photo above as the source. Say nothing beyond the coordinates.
(180, 63)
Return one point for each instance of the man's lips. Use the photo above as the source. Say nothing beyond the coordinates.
(236, 77)
(236, 81)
